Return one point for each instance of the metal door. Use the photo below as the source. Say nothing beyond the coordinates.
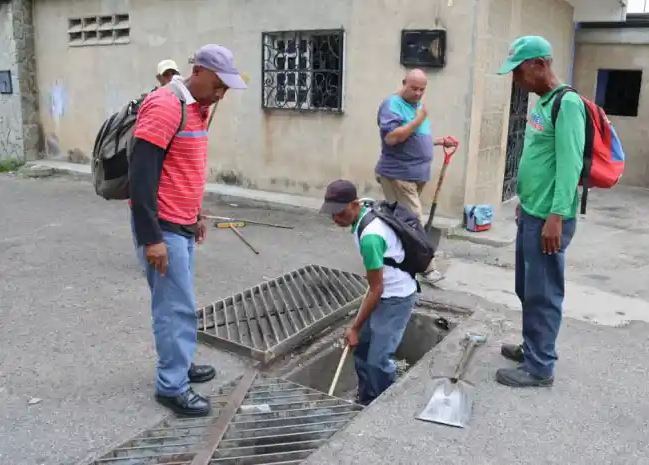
(515, 139)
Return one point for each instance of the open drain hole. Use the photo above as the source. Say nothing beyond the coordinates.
(315, 366)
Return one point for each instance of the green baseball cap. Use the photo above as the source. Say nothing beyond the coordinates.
(523, 49)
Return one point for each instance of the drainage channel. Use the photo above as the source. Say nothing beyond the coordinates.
(277, 422)
(315, 364)
(276, 316)
(294, 326)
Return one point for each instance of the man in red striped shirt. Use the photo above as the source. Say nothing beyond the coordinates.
(166, 191)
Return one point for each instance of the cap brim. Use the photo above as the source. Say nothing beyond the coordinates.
(332, 208)
(233, 81)
(509, 66)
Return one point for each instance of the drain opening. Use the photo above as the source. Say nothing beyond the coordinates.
(315, 365)
(296, 323)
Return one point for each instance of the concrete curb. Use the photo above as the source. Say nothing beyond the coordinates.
(251, 197)
(491, 240)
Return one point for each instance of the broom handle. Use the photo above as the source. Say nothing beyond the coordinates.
(332, 388)
(334, 382)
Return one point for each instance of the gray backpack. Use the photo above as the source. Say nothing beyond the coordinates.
(113, 147)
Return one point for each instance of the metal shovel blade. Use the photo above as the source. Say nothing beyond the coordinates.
(451, 403)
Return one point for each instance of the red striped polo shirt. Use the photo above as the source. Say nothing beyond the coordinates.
(184, 171)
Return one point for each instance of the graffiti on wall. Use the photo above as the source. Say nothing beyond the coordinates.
(57, 105)
(58, 101)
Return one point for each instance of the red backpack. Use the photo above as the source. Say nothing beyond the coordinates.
(603, 154)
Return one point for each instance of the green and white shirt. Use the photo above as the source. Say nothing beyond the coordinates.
(378, 241)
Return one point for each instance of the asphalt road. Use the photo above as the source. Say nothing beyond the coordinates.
(74, 311)
(77, 360)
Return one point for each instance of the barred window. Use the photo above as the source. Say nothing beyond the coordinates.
(303, 70)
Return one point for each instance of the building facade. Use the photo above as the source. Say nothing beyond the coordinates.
(318, 71)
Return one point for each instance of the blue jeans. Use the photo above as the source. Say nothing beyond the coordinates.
(173, 308)
(540, 286)
(379, 338)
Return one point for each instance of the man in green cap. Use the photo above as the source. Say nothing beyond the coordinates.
(548, 176)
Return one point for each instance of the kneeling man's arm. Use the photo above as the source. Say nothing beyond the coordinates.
(373, 248)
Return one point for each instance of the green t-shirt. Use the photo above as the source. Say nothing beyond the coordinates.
(372, 246)
(550, 167)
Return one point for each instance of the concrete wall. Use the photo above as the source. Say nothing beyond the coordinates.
(281, 150)
(501, 21)
(301, 152)
(19, 129)
(599, 10)
(633, 131)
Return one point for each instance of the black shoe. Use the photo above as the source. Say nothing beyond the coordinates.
(201, 373)
(512, 352)
(518, 377)
(187, 404)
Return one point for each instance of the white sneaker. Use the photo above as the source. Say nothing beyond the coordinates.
(432, 277)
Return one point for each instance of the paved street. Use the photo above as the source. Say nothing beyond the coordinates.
(76, 337)
(75, 319)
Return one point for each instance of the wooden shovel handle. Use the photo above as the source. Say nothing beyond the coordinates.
(440, 181)
(448, 154)
(334, 382)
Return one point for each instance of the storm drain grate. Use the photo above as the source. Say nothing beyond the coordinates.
(277, 422)
(270, 319)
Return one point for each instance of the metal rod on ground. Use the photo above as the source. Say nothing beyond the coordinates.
(334, 382)
(226, 415)
(243, 239)
(260, 223)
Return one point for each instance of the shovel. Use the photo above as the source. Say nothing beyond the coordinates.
(452, 400)
(435, 234)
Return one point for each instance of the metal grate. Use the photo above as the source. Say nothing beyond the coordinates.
(270, 319)
(278, 422)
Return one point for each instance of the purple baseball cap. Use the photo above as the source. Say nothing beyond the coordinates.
(220, 60)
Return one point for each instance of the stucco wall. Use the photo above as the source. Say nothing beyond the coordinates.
(302, 152)
(19, 129)
(285, 151)
(502, 21)
(633, 132)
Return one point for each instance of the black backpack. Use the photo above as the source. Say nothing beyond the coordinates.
(417, 247)
(111, 153)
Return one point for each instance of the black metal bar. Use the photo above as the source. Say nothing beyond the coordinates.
(518, 107)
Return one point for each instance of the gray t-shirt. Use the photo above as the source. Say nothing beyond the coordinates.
(410, 160)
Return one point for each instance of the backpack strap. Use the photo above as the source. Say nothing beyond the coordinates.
(366, 220)
(588, 146)
(183, 111)
(556, 103)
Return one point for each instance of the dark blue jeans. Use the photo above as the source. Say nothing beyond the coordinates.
(540, 285)
(379, 339)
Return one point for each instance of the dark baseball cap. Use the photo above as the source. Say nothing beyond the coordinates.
(339, 194)
(220, 60)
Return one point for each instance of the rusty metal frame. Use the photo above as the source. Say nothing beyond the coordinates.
(223, 421)
(257, 419)
(345, 289)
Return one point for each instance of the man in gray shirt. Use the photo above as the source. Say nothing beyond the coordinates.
(407, 148)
